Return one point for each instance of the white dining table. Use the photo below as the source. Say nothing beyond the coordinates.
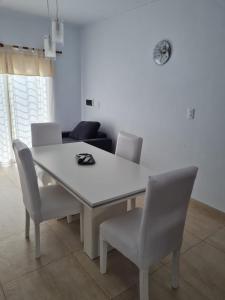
(102, 188)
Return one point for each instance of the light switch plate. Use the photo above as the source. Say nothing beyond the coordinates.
(90, 102)
(191, 113)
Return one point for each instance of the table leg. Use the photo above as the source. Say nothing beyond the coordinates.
(133, 203)
(93, 217)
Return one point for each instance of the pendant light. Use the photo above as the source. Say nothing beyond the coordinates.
(49, 46)
(49, 43)
(57, 27)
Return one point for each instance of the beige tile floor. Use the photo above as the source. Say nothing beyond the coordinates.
(65, 272)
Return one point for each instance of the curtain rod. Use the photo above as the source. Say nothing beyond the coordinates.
(26, 48)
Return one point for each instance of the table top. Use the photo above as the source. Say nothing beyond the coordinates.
(111, 179)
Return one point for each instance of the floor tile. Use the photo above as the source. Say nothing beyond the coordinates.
(6, 184)
(198, 208)
(12, 219)
(202, 226)
(203, 267)
(2, 297)
(160, 289)
(61, 280)
(68, 233)
(218, 240)
(12, 173)
(130, 294)
(12, 193)
(11, 206)
(121, 273)
(17, 255)
(189, 241)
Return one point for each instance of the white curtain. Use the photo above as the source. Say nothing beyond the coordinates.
(5, 132)
(23, 100)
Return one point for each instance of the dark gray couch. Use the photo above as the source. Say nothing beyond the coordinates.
(81, 133)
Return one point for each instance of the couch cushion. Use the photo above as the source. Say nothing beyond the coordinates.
(85, 130)
(101, 135)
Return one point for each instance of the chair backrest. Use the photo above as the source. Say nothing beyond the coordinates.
(164, 213)
(28, 179)
(129, 146)
(44, 134)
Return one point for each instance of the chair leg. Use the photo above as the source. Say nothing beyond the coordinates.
(81, 225)
(143, 285)
(27, 226)
(175, 269)
(37, 240)
(103, 256)
(69, 219)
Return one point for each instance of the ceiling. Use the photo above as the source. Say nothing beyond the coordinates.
(75, 11)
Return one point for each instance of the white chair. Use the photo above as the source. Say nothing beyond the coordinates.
(44, 134)
(129, 147)
(147, 235)
(44, 203)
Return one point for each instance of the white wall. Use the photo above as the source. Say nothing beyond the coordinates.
(151, 101)
(25, 30)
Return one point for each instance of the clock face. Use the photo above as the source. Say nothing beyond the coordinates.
(162, 52)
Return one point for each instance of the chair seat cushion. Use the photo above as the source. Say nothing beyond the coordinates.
(56, 202)
(85, 130)
(122, 233)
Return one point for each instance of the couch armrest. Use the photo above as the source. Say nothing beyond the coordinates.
(101, 135)
(102, 143)
(65, 134)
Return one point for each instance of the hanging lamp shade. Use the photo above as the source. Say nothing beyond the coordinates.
(58, 31)
(49, 47)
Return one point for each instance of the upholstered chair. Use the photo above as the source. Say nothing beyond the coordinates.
(129, 147)
(147, 235)
(44, 203)
(44, 134)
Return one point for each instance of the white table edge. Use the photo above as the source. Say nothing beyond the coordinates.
(85, 202)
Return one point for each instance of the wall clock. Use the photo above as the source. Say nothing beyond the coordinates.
(162, 52)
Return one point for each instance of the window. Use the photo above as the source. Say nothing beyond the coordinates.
(23, 100)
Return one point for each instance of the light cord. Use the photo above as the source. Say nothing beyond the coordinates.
(57, 9)
(48, 9)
